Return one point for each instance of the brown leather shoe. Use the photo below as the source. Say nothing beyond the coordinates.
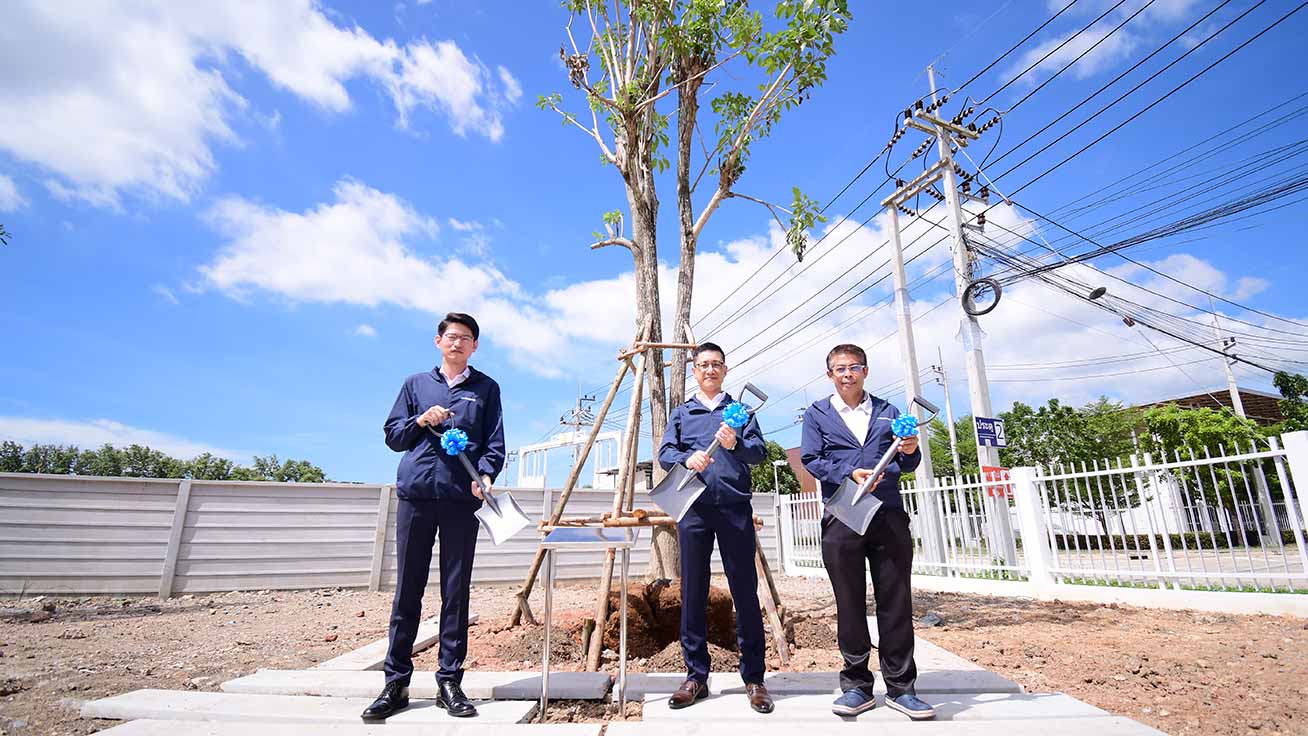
(759, 699)
(687, 694)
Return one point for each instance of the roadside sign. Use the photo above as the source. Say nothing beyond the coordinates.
(989, 475)
(990, 432)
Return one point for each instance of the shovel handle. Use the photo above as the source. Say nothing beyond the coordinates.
(879, 469)
(476, 480)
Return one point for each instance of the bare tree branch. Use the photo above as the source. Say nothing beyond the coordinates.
(624, 242)
(691, 78)
(592, 132)
(734, 154)
(771, 207)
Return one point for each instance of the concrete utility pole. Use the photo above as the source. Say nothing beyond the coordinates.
(942, 378)
(946, 134)
(907, 348)
(1227, 361)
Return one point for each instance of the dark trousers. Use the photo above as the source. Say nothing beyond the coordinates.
(417, 525)
(733, 526)
(887, 547)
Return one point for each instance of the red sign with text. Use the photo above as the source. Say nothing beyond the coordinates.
(990, 474)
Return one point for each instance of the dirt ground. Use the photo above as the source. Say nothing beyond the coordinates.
(1182, 672)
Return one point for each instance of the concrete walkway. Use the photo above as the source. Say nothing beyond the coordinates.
(968, 698)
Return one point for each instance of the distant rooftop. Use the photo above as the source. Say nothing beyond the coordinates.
(1259, 406)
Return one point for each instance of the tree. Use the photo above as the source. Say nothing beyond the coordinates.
(941, 458)
(638, 47)
(137, 461)
(1057, 434)
(11, 457)
(1294, 404)
(1172, 429)
(4, 236)
(761, 475)
(207, 467)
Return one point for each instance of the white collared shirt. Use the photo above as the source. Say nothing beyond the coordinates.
(857, 418)
(452, 382)
(712, 403)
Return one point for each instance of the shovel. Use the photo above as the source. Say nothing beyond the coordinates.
(682, 486)
(852, 504)
(500, 515)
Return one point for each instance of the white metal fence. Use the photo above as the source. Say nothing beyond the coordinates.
(1229, 521)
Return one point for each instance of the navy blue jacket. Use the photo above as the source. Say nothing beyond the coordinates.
(691, 427)
(426, 472)
(831, 453)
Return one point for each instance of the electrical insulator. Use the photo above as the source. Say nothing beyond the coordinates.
(985, 192)
(971, 127)
(981, 219)
(918, 105)
(899, 183)
(967, 187)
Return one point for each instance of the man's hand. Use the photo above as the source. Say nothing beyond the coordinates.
(908, 445)
(480, 490)
(861, 475)
(433, 416)
(726, 436)
(699, 461)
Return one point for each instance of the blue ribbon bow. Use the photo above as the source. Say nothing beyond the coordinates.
(735, 415)
(904, 425)
(454, 441)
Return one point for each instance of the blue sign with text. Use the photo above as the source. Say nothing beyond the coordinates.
(990, 432)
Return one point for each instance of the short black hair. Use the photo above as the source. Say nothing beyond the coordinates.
(846, 348)
(708, 347)
(461, 319)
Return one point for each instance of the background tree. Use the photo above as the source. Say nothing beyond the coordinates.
(1294, 404)
(4, 236)
(762, 477)
(632, 51)
(1204, 431)
(137, 461)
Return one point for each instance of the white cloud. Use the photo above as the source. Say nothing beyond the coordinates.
(111, 98)
(166, 294)
(1109, 51)
(363, 249)
(512, 89)
(439, 76)
(10, 198)
(365, 331)
(92, 433)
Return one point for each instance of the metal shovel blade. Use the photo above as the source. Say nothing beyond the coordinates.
(501, 516)
(678, 490)
(851, 508)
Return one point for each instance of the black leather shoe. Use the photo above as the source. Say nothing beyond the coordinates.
(451, 698)
(393, 699)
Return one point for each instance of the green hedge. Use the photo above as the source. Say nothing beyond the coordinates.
(1204, 540)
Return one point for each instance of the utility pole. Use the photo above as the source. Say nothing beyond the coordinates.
(946, 133)
(1227, 361)
(908, 349)
(1269, 527)
(942, 378)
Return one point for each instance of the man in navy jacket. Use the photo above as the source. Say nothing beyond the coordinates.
(437, 498)
(723, 510)
(844, 437)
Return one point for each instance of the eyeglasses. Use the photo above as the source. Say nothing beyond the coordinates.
(715, 365)
(841, 370)
(458, 338)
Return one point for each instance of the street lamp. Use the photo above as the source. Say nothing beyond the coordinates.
(776, 481)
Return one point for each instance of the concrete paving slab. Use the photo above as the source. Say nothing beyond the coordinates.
(1093, 726)
(268, 728)
(372, 656)
(478, 685)
(178, 705)
(814, 683)
(928, 656)
(808, 708)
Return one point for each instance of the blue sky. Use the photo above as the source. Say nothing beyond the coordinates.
(234, 228)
